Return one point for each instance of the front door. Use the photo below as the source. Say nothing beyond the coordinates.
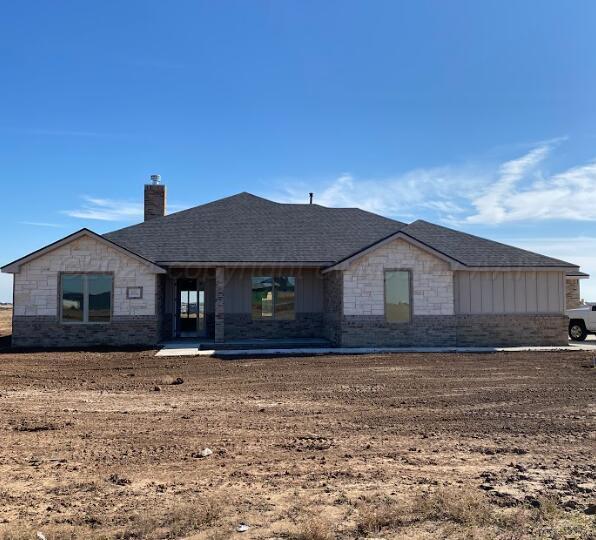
(191, 308)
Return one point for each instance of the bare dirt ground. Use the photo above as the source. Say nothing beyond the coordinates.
(103, 445)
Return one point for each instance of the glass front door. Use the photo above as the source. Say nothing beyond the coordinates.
(191, 308)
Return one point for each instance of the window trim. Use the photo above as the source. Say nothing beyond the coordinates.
(273, 317)
(85, 297)
(410, 294)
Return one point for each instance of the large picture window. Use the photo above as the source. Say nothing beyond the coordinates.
(273, 297)
(398, 303)
(86, 298)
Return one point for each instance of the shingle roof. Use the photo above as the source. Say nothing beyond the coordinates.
(245, 228)
(577, 274)
(473, 250)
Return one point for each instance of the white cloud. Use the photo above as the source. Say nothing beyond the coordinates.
(41, 224)
(398, 196)
(570, 195)
(480, 194)
(513, 191)
(490, 205)
(101, 209)
(107, 210)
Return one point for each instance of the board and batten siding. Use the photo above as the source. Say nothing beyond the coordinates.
(509, 292)
(238, 289)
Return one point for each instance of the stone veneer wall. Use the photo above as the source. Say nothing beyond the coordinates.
(36, 298)
(155, 201)
(434, 322)
(219, 328)
(375, 331)
(511, 330)
(455, 330)
(363, 321)
(242, 326)
(572, 294)
(46, 331)
(432, 281)
(164, 319)
(332, 306)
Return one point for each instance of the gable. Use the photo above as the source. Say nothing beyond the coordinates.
(388, 242)
(432, 280)
(84, 242)
(37, 279)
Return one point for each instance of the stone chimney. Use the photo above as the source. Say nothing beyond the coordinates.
(155, 198)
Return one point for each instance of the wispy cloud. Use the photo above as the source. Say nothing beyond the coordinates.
(41, 224)
(522, 193)
(106, 210)
(514, 190)
(400, 196)
(490, 206)
(102, 209)
(465, 196)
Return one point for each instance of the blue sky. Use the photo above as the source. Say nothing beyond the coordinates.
(476, 115)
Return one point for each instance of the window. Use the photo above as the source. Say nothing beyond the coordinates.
(397, 296)
(86, 298)
(273, 297)
(285, 288)
(72, 298)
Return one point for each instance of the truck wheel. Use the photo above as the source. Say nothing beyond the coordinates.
(577, 331)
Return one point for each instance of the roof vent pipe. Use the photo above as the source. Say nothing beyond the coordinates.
(310, 196)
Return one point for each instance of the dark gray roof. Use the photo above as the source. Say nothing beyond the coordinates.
(472, 250)
(577, 274)
(246, 228)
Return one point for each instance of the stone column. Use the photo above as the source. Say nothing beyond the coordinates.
(572, 295)
(219, 304)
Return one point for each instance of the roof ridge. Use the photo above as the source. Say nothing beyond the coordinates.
(188, 210)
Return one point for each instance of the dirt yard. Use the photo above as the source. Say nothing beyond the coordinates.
(107, 445)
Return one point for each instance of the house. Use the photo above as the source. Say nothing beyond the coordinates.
(244, 267)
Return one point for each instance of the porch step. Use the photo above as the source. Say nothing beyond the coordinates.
(249, 344)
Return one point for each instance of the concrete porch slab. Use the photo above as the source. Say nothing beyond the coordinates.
(192, 349)
(179, 348)
(201, 347)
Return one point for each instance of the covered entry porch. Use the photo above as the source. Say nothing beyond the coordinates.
(243, 305)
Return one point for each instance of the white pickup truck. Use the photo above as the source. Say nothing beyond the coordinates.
(582, 321)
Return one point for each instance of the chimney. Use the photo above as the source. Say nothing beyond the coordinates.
(155, 198)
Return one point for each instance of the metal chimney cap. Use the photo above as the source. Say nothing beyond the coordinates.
(155, 179)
